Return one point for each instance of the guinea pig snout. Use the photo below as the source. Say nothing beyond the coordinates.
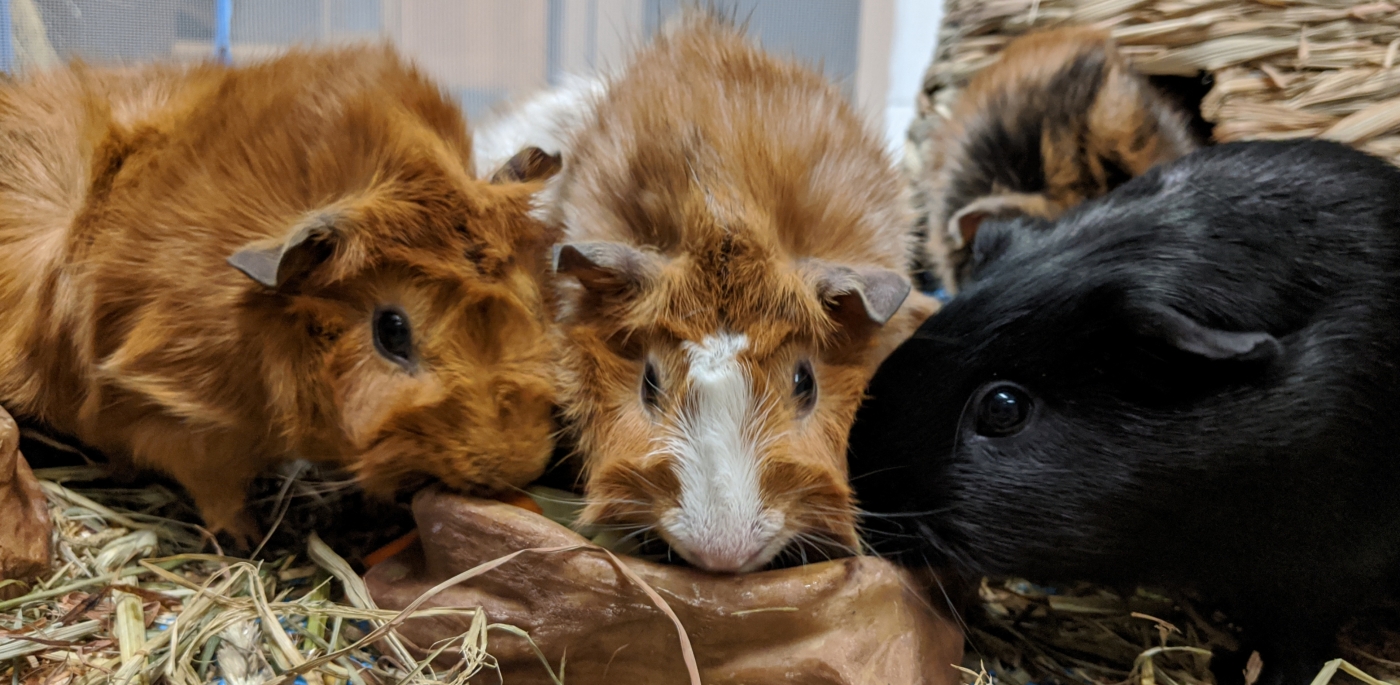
(725, 538)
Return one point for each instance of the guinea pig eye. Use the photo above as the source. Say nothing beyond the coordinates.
(392, 336)
(651, 386)
(804, 387)
(1003, 410)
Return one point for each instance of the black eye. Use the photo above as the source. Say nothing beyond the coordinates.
(392, 336)
(651, 386)
(1003, 410)
(804, 387)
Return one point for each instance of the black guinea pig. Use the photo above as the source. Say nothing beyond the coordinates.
(1191, 382)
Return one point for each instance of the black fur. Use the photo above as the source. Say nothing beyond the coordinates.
(1212, 352)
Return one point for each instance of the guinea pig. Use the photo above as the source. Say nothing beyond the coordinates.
(205, 271)
(1059, 118)
(1191, 382)
(734, 265)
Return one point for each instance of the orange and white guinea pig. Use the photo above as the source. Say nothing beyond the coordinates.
(733, 268)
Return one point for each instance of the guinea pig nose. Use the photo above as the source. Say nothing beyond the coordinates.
(724, 561)
(722, 537)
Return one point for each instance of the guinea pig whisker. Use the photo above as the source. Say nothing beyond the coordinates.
(547, 498)
(627, 526)
(900, 527)
(937, 543)
(834, 512)
(816, 550)
(878, 471)
(850, 550)
(904, 514)
(890, 535)
(952, 607)
(640, 505)
(794, 553)
(616, 526)
(804, 489)
(637, 534)
(823, 544)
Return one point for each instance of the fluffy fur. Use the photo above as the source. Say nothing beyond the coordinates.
(547, 120)
(123, 197)
(1059, 118)
(719, 193)
(1208, 359)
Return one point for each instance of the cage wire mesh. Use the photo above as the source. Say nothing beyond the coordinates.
(482, 51)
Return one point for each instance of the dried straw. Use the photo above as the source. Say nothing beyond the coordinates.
(134, 599)
(1091, 635)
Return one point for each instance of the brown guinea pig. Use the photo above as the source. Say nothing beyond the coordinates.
(208, 270)
(734, 267)
(1059, 118)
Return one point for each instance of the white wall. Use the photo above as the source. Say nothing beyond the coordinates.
(915, 32)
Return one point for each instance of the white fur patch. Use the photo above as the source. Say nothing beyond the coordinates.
(548, 121)
(721, 523)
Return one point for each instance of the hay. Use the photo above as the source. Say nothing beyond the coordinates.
(1091, 635)
(1094, 636)
(135, 598)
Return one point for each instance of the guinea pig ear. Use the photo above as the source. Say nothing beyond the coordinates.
(860, 293)
(276, 262)
(964, 224)
(605, 266)
(530, 164)
(1188, 335)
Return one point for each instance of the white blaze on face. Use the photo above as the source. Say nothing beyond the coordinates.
(721, 523)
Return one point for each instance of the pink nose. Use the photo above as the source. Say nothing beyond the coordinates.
(723, 560)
